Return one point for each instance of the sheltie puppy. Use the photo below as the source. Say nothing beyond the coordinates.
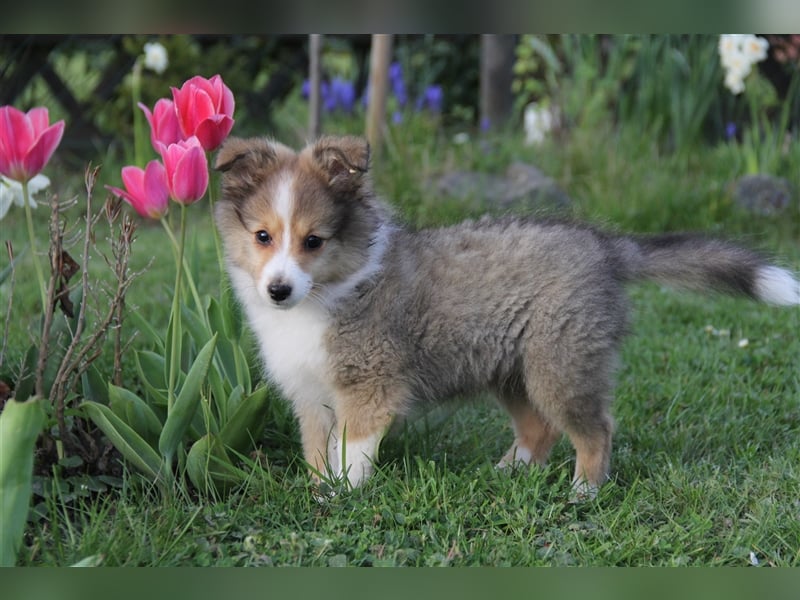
(359, 319)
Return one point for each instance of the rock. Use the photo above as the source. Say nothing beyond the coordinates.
(523, 188)
(463, 184)
(763, 194)
(529, 189)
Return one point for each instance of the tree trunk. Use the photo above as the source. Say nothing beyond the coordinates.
(380, 56)
(314, 85)
(497, 64)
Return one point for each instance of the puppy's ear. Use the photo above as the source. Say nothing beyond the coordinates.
(244, 164)
(239, 154)
(343, 160)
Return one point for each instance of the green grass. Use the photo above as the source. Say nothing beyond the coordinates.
(705, 471)
(705, 467)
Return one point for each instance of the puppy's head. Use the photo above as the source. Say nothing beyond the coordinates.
(293, 223)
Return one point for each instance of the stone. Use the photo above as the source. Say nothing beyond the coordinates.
(762, 194)
(523, 188)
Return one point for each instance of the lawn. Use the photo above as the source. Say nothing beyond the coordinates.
(705, 463)
(704, 473)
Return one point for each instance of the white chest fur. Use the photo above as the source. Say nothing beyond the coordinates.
(291, 343)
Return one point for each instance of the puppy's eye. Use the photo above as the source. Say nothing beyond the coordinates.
(313, 242)
(263, 238)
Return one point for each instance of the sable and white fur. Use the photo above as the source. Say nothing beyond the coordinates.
(359, 318)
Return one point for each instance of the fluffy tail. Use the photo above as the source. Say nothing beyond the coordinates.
(698, 263)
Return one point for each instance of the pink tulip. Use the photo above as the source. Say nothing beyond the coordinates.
(27, 141)
(163, 121)
(187, 169)
(205, 109)
(146, 190)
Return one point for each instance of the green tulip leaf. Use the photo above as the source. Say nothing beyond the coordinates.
(210, 468)
(146, 330)
(217, 320)
(94, 385)
(129, 443)
(197, 328)
(151, 367)
(185, 407)
(136, 413)
(20, 426)
(247, 424)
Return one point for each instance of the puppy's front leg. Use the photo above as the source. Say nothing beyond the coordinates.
(359, 456)
(363, 416)
(316, 433)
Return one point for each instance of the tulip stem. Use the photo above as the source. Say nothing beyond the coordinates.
(175, 338)
(185, 264)
(212, 184)
(138, 128)
(177, 333)
(32, 240)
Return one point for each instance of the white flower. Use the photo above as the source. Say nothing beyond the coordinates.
(460, 138)
(734, 82)
(755, 48)
(155, 57)
(738, 65)
(538, 123)
(737, 54)
(11, 192)
(730, 48)
(726, 44)
(744, 343)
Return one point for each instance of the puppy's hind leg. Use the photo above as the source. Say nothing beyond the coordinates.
(584, 413)
(534, 436)
(572, 388)
(592, 457)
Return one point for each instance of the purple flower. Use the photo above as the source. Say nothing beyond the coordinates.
(397, 117)
(730, 131)
(431, 99)
(327, 97)
(395, 73)
(338, 94)
(397, 83)
(343, 93)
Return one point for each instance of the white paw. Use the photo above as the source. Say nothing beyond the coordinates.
(358, 459)
(582, 491)
(517, 456)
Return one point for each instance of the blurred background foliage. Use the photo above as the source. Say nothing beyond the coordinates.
(667, 86)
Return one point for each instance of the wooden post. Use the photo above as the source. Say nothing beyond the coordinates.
(497, 64)
(314, 85)
(380, 56)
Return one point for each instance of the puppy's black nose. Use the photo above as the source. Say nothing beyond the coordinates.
(279, 291)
